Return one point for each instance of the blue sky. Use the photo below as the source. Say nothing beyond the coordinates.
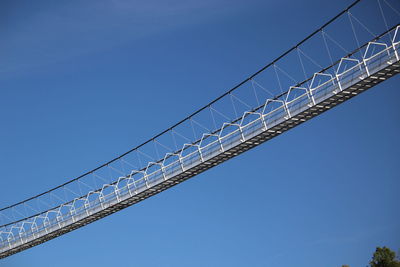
(82, 82)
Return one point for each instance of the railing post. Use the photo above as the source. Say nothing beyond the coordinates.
(264, 122)
(220, 144)
(338, 81)
(241, 133)
(181, 163)
(201, 155)
(287, 109)
(163, 172)
(395, 51)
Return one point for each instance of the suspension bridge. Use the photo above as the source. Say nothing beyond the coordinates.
(351, 53)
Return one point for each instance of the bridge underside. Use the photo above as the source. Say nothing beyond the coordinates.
(330, 102)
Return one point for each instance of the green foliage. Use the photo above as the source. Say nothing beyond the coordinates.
(345, 265)
(384, 257)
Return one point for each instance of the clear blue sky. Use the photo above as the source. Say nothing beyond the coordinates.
(83, 81)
